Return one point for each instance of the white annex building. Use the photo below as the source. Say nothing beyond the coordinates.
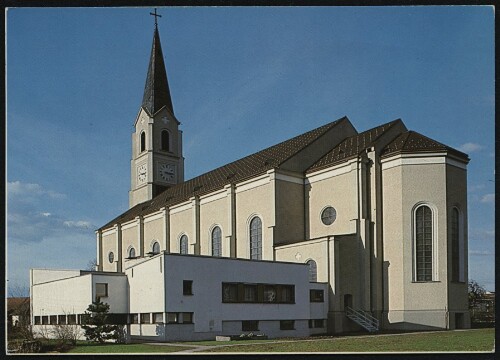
(333, 230)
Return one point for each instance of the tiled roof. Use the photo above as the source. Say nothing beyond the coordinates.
(237, 171)
(411, 141)
(156, 90)
(14, 303)
(351, 147)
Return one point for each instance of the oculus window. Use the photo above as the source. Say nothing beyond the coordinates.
(328, 215)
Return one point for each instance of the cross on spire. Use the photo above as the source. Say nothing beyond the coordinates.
(156, 17)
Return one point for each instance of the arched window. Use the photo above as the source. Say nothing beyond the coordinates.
(423, 243)
(183, 244)
(457, 247)
(216, 241)
(256, 239)
(155, 249)
(131, 253)
(313, 271)
(165, 140)
(143, 141)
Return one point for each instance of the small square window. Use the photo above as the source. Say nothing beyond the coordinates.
(72, 319)
(250, 293)
(145, 318)
(316, 295)
(287, 324)
(172, 318)
(229, 292)
(187, 318)
(187, 287)
(134, 318)
(37, 320)
(101, 289)
(250, 325)
(287, 294)
(45, 320)
(62, 319)
(157, 318)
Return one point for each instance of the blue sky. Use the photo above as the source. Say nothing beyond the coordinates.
(241, 79)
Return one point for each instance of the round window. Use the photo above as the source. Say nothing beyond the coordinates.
(111, 257)
(328, 215)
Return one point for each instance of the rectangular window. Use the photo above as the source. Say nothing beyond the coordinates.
(157, 318)
(187, 287)
(286, 294)
(229, 292)
(72, 319)
(45, 320)
(62, 319)
(37, 320)
(53, 319)
(287, 325)
(316, 323)
(270, 294)
(172, 318)
(145, 318)
(187, 318)
(250, 293)
(250, 325)
(316, 295)
(134, 318)
(101, 289)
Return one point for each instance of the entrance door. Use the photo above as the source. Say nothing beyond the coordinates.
(347, 300)
(459, 321)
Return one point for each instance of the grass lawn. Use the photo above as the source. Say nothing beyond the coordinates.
(90, 348)
(466, 340)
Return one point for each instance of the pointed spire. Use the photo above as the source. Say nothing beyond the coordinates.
(156, 90)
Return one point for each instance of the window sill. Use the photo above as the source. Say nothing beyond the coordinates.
(425, 282)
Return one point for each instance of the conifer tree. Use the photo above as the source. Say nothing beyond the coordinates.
(95, 323)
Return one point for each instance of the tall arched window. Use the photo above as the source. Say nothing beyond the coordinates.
(143, 141)
(216, 241)
(155, 249)
(423, 243)
(457, 247)
(183, 244)
(165, 140)
(256, 239)
(313, 271)
(131, 253)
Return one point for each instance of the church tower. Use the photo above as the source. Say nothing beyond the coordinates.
(157, 162)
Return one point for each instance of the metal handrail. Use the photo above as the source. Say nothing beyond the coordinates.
(363, 315)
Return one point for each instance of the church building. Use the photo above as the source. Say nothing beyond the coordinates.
(331, 231)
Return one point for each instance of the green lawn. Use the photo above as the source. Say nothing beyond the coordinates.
(468, 340)
(90, 348)
(454, 341)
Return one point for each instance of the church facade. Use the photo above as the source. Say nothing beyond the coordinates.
(331, 231)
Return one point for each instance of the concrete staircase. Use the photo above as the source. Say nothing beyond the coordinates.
(363, 319)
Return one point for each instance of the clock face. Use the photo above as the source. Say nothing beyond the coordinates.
(167, 172)
(142, 173)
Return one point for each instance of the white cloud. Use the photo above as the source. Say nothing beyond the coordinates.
(78, 224)
(17, 188)
(488, 198)
(470, 147)
(46, 214)
(481, 253)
